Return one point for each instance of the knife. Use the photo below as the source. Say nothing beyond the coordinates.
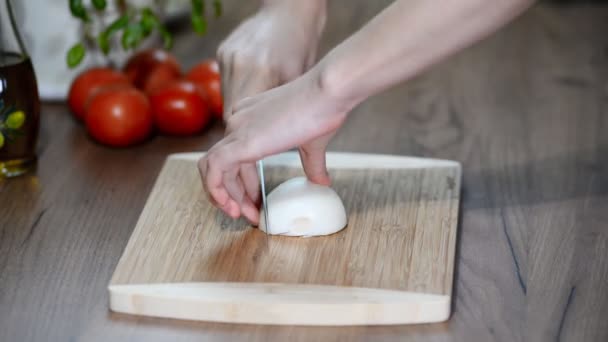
(263, 189)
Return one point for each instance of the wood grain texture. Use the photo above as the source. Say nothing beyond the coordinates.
(525, 112)
(401, 235)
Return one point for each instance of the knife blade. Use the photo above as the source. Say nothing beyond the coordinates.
(264, 202)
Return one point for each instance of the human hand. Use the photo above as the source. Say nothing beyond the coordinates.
(274, 46)
(297, 114)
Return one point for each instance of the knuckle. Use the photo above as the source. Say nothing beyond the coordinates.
(202, 172)
(292, 71)
(220, 52)
(221, 159)
(213, 159)
(242, 104)
(232, 124)
(202, 162)
(224, 49)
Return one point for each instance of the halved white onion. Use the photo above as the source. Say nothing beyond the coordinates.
(298, 207)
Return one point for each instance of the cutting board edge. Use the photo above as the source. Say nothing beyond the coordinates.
(344, 160)
(279, 304)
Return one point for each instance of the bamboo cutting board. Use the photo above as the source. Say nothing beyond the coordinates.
(393, 264)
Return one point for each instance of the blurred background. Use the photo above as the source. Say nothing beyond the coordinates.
(49, 30)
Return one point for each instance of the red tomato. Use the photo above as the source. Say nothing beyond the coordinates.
(113, 86)
(88, 83)
(213, 92)
(204, 71)
(180, 109)
(150, 70)
(119, 117)
(207, 76)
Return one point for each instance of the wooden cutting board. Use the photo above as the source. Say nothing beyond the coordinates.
(393, 264)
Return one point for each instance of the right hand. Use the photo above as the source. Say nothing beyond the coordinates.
(273, 47)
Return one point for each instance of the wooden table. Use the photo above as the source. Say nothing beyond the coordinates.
(526, 112)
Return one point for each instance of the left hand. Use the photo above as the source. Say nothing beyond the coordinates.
(296, 114)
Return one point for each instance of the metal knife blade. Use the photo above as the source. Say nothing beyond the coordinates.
(263, 189)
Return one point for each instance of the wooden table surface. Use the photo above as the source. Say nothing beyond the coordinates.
(526, 112)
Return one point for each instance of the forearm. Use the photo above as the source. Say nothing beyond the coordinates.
(300, 3)
(405, 39)
(314, 10)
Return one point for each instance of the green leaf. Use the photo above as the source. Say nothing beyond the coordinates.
(199, 23)
(217, 8)
(104, 43)
(100, 4)
(118, 24)
(167, 38)
(198, 17)
(149, 21)
(132, 36)
(104, 38)
(75, 55)
(198, 7)
(78, 10)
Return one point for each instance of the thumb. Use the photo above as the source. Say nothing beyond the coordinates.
(313, 160)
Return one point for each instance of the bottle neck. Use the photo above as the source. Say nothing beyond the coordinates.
(10, 39)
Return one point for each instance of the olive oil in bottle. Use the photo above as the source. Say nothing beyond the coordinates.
(19, 102)
(19, 114)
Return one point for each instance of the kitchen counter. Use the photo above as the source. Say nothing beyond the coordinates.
(525, 112)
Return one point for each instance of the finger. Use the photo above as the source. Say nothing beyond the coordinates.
(313, 160)
(246, 80)
(230, 207)
(236, 189)
(202, 169)
(243, 104)
(250, 211)
(222, 182)
(244, 188)
(234, 186)
(215, 166)
(314, 166)
(251, 80)
(249, 175)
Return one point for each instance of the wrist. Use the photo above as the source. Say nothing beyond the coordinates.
(330, 89)
(333, 84)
